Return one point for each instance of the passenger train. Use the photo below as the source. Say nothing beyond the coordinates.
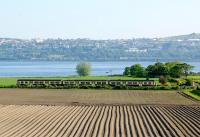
(86, 82)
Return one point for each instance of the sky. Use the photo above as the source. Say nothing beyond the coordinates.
(98, 19)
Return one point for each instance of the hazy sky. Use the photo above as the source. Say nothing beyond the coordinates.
(98, 19)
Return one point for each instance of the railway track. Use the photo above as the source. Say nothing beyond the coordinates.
(102, 120)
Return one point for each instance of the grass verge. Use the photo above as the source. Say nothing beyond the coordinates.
(193, 93)
(10, 81)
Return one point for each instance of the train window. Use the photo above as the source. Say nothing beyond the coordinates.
(53, 82)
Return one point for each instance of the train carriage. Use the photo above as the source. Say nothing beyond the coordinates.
(38, 82)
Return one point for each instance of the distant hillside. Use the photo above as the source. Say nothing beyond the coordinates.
(193, 36)
(184, 47)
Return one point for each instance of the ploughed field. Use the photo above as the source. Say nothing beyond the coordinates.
(100, 120)
(90, 113)
(87, 97)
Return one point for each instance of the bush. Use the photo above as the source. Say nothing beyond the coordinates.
(172, 80)
(188, 82)
(120, 87)
(93, 87)
(152, 88)
(163, 80)
(83, 69)
(11, 86)
(180, 82)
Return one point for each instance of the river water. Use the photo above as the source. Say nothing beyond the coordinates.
(48, 68)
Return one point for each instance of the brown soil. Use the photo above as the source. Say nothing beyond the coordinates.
(91, 97)
(90, 121)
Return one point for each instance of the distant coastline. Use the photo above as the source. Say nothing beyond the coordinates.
(183, 48)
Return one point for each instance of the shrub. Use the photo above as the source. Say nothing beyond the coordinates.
(188, 82)
(163, 80)
(180, 82)
(93, 87)
(83, 69)
(172, 80)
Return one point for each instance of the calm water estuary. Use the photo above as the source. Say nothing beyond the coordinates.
(25, 69)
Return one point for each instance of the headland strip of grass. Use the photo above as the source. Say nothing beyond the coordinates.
(193, 93)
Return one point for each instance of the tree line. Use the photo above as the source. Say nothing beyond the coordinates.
(171, 69)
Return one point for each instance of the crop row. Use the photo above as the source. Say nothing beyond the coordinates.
(92, 121)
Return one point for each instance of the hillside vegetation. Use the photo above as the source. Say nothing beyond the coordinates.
(185, 48)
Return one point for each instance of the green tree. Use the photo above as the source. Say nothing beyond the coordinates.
(169, 65)
(83, 69)
(157, 70)
(176, 71)
(127, 71)
(137, 71)
(179, 70)
(186, 68)
(150, 71)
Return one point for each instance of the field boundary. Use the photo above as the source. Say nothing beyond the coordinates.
(188, 96)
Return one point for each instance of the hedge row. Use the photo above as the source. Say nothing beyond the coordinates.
(94, 87)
